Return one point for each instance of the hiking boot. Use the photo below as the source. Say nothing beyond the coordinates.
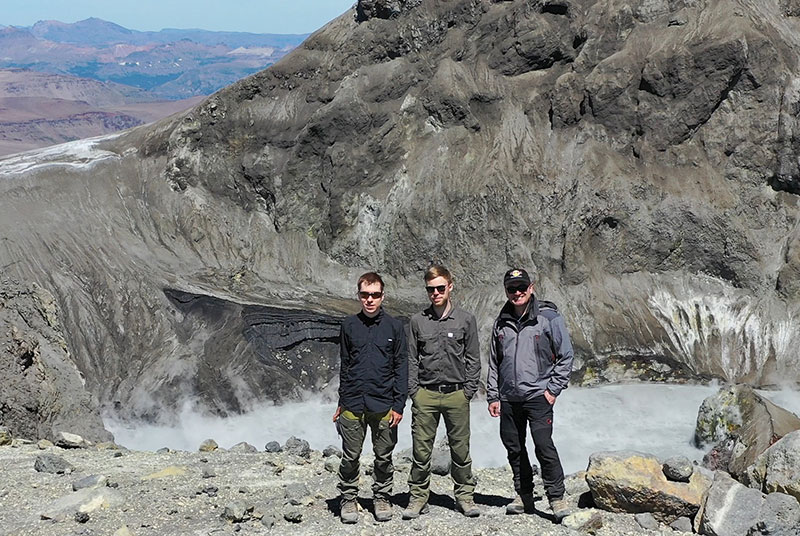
(383, 509)
(349, 511)
(522, 503)
(560, 508)
(415, 509)
(468, 508)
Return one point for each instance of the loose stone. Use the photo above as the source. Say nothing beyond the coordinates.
(81, 517)
(50, 463)
(209, 445)
(678, 469)
(297, 447)
(91, 481)
(293, 516)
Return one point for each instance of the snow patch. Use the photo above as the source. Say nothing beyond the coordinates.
(75, 154)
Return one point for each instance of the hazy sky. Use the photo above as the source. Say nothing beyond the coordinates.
(257, 16)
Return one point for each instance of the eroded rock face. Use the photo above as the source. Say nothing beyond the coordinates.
(741, 425)
(233, 355)
(640, 160)
(383, 9)
(778, 467)
(41, 392)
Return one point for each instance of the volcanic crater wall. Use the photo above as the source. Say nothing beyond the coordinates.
(638, 156)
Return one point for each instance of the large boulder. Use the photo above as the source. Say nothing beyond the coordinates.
(627, 481)
(778, 467)
(731, 509)
(743, 424)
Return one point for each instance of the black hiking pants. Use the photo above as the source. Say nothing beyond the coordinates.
(515, 418)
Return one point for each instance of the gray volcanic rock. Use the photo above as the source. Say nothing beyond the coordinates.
(678, 468)
(744, 424)
(41, 392)
(778, 467)
(50, 463)
(732, 509)
(639, 160)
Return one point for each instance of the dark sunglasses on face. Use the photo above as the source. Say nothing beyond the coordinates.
(438, 288)
(517, 288)
(366, 295)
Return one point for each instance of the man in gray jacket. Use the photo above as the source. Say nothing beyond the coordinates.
(530, 363)
(444, 367)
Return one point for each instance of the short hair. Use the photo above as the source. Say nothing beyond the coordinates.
(369, 278)
(437, 270)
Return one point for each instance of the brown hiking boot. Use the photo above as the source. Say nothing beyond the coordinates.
(415, 509)
(560, 507)
(521, 504)
(383, 509)
(348, 511)
(468, 508)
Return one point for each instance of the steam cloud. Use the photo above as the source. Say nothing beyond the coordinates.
(653, 418)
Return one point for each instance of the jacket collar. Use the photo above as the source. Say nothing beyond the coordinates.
(374, 320)
(430, 313)
(507, 312)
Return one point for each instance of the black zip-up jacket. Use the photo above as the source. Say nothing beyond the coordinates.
(374, 369)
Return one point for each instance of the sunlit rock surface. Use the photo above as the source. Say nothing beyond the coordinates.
(42, 393)
(638, 156)
(741, 425)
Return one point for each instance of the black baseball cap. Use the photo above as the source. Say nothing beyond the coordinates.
(516, 275)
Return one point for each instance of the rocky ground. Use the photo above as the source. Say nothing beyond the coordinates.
(72, 486)
(148, 493)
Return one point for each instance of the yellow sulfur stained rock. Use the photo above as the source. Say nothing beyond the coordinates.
(172, 470)
(634, 482)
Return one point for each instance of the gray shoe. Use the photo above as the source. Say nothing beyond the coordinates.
(383, 509)
(560, 507)
(349, 511)
(521, 504)
(415, 509)
(468, 508)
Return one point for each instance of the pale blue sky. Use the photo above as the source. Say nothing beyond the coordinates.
(257, 16)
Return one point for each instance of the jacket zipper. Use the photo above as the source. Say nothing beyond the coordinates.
(516, 348)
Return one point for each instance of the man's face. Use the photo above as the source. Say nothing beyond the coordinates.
(438, 290)
(519, 294)
(371, 296)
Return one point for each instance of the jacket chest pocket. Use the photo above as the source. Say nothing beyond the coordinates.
(454, 341)
(385, 345)
(427, 343)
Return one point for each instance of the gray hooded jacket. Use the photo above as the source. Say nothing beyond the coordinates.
(528, 355)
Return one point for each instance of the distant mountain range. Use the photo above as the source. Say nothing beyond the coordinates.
(170, 64)
(39, 109)
(60, 82)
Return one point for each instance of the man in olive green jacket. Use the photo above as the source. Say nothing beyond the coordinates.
(444, 368)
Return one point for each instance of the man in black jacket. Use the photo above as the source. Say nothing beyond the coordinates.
(373, 386)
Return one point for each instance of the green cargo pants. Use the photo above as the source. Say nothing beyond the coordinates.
(353, 429)
(426, 409)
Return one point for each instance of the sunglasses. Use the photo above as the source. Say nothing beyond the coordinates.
(364, 295)
(438, 288)
(517, 288)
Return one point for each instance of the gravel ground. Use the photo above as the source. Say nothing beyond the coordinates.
(187, 493)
